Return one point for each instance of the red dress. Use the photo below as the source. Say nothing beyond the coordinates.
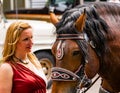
(26, 81)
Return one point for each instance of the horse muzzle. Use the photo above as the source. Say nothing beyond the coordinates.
(85, 82)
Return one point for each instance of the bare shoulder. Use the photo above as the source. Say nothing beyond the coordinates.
(5, 68)
(6, 77)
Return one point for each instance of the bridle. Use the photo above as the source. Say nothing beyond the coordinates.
(61, 74)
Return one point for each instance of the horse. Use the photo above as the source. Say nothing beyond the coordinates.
(87, 43)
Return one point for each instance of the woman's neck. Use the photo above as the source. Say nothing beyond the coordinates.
(21, 56)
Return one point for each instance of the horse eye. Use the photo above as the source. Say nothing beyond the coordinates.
(76, 53)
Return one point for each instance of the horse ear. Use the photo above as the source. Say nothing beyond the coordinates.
(53, 18)
(81, 21)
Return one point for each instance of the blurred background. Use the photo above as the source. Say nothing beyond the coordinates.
(39, 7)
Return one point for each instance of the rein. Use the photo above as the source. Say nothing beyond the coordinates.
(61, 74)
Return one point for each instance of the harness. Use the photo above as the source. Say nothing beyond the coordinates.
(61, 74)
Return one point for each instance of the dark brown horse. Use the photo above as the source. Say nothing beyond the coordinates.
(88, 43)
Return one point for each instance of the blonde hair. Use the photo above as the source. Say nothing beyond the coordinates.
(12, 36)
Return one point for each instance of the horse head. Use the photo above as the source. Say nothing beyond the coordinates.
(84, 46)
(73, 67)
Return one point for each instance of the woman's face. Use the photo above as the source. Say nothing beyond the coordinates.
(25, 42)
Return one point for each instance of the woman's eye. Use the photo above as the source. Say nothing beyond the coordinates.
(25, 39)
(28, 38)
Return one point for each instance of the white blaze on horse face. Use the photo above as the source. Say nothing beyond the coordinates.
(60, 50)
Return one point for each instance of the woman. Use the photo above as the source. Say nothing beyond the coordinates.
(20, 71)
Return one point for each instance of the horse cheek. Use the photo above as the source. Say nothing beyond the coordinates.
(92, 68)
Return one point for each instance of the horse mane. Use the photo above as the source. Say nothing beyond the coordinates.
(98, 24)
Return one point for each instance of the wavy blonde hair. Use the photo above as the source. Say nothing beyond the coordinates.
(12, 36)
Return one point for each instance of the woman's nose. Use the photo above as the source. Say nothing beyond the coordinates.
(31, 41)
